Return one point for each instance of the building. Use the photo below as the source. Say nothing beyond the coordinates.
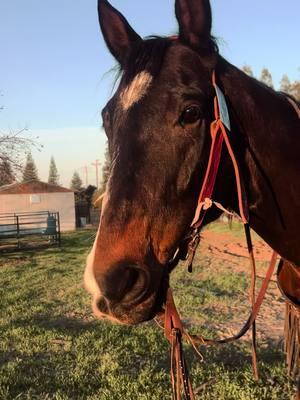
(38, 196)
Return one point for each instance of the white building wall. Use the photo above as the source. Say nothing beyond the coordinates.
(63, 203)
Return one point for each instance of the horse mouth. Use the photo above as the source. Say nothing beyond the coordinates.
(150, 307)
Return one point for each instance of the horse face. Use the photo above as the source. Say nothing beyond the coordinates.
(157, 126)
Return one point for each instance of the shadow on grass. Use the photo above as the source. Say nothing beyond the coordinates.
(236, 356)
(63, 324)
(148, 352)
(72, 242)
(233, 363)
(28, 253)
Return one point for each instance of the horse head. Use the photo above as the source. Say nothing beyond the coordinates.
(158, 129)
(157, 125)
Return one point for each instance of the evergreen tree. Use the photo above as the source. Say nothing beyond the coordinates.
(76, 182)
(266, 78)
(6, 174)
(295, 90)
(248, 70)
(53, 173)
(285, 84)
(30, 172)
(105, 170)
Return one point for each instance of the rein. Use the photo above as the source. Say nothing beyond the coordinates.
(173, 327)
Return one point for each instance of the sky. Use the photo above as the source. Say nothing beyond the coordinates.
(55, 70)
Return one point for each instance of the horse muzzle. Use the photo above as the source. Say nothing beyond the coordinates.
(127, 293)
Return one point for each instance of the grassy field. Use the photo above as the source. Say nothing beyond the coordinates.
(51, 347)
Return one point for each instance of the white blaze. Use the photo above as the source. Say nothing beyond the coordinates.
(136, 90)
(90, 282)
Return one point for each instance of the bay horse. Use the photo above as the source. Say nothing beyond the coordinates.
(158, 129)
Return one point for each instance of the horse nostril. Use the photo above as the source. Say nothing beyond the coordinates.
(102, 306)
(137, 284)
(127, 283)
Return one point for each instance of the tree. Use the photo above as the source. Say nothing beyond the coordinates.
(266, 78)
(14, 144)
(285, 84)
(53, 173)
(291, 88)
(105, 170)
(85, 195)
(248, 70)
(6, 173)
(295, 90)
(30, 172)
(76, 182)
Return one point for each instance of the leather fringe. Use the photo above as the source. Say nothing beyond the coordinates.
(292, 339)
(181, 383)
(174, 332)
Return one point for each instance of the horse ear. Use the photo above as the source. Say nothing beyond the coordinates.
(195, 20)
(117, 33)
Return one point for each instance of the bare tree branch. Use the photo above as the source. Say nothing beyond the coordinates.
(15, 144)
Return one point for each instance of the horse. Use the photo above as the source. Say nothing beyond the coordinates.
(158, 126)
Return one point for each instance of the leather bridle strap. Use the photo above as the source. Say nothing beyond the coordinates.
(219, 136)
(198, 339)
(174, 332)
(252, 298)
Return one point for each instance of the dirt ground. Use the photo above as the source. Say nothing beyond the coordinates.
(226, 246)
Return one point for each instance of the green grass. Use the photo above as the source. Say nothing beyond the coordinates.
(51, 347)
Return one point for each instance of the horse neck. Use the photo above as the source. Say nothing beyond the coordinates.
(268, 157)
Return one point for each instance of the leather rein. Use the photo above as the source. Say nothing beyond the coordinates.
(173, 327)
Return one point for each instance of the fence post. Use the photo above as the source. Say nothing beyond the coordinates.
(58, 226)
(18, 232)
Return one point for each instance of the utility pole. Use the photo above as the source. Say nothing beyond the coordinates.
(86, 175)
(85, 170)
(97, 164)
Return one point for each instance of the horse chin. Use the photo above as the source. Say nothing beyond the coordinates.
(137, 314)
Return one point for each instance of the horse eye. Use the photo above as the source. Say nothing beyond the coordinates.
(190, 115)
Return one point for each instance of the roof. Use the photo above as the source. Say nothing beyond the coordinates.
(32, 187)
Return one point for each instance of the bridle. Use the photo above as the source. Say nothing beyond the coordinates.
(219, 138)
(220, 130)
(173, 327)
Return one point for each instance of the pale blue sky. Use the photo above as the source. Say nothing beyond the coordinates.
(54, 64)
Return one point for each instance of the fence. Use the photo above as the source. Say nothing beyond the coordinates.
(20, 225)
